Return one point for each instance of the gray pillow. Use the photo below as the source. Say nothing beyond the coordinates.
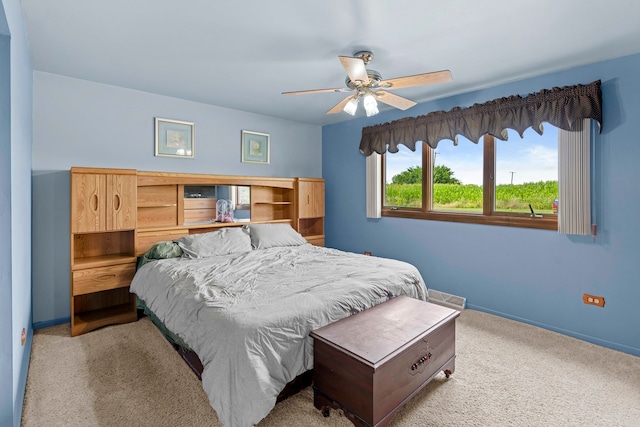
(265, 236)
(228, 240)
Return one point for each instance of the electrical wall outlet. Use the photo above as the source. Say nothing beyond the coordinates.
(593, 300)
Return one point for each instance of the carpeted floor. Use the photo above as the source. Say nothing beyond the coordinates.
(507, 374)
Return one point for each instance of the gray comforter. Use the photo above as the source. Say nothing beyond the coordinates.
(248, 316)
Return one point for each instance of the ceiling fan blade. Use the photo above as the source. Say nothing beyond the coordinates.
(355, 69)
(394, 100)
(339, 106)
(417, 80)
(303, 92)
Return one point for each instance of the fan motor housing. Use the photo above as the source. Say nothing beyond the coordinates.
(374, 80)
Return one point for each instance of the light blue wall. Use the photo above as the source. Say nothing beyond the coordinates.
(15, 211)
(530, 275)
(80, 123)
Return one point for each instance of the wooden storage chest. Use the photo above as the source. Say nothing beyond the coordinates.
(371, 363)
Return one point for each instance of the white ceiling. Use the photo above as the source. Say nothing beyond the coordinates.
(243, 54)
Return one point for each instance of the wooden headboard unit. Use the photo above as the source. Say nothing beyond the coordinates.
(118, 214)
(164, 213)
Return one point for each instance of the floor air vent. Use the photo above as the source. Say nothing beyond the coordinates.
(447, 300)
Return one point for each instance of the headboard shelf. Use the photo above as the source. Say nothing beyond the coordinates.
(154, 205)
(170, 178)
(273, 203)
(167, 199)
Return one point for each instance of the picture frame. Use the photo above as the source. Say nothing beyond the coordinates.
(175, 138)
(255, 147)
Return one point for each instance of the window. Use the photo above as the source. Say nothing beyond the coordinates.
(509, 183)
(527, 172)
(571, 108)
(457, 176)
(403, 183)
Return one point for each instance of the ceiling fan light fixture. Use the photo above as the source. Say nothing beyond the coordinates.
(369, 85)
(370, 104)
(351, 106)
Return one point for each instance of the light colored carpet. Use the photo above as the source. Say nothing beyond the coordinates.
(507, 374)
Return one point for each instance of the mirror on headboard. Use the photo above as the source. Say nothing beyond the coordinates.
(241, 197)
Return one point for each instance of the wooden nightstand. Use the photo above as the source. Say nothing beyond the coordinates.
(103, 261)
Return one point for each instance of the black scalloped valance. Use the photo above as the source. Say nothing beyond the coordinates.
(562, 107)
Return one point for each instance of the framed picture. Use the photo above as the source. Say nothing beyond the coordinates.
(255, 147)
(175, 138)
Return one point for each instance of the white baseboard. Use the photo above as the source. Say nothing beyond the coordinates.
(448, 300)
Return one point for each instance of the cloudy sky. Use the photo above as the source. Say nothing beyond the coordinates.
(531, 159)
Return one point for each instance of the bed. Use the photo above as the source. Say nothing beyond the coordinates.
(245, 299)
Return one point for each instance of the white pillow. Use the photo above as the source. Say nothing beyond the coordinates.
(228, 240)
(265, 236)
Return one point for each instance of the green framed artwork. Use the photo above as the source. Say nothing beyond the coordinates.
(255, 147)
(175, 138)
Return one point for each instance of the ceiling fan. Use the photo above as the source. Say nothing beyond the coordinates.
(369, 86)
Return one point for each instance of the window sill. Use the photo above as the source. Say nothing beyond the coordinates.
(547, 222)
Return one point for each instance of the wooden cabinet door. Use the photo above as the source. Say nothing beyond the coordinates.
(318, 198)
(305, 199)
(88, 201)
(310, 198)
(121, 202)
